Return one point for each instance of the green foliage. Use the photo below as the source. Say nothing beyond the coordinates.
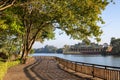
(37, 19)
(32, 51)
(2, 25)
(9, 44)
(115, 43)
(10, 22)
(5, 66)
(77, 18)
(12, 29)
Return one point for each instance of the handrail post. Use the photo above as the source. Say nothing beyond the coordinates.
(105, 73)
(66, 63)
(75, 66)
(93, 71)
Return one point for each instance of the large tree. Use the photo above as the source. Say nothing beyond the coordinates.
(77, 18)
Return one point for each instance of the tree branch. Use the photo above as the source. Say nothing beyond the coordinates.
(34, 37)
(7, 6)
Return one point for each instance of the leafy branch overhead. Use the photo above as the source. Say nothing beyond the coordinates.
(77, 18)
(4, 4)
(37, 19)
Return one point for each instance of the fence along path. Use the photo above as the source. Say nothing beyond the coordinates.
(93, 71)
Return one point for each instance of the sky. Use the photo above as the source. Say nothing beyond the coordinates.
(111, 28)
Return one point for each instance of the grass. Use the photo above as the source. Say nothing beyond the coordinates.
(4, 67)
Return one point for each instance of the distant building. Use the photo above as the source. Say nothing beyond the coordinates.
(105, 45)
(83, 48)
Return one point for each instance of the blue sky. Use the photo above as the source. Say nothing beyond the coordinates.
(111, 28)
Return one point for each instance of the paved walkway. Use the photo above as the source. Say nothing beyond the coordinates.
(45, 68)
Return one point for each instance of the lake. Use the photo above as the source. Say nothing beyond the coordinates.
(94, 59)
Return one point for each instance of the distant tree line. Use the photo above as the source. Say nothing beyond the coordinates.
(48, 49)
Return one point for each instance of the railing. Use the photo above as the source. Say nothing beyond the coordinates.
(100, 71)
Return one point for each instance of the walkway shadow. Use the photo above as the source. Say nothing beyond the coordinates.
(30, 73)
(48, 71)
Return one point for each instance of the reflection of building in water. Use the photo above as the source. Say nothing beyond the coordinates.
(83, 48)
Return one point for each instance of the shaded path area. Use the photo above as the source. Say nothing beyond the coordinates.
(45, 68)
(17, 72)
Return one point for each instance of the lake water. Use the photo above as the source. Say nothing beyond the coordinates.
(94, 59)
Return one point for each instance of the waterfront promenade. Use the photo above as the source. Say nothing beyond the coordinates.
(45, 68)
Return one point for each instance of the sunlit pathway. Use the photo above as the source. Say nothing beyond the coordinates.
(47, 69)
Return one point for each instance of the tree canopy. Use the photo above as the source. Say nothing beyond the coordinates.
(78, 18)
(39, 19)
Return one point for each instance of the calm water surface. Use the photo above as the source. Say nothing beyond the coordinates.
(95, 59)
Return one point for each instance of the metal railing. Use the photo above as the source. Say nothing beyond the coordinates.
(100, 71)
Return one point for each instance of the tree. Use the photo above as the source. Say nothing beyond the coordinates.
(46, 49)
(77, 18)
(112, 41)
(115, 43)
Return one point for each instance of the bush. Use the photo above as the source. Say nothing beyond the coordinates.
(3, 56)
(4, 67)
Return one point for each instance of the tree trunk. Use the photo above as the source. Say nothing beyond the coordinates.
(26, 50)
(29, 40)
(24, 56)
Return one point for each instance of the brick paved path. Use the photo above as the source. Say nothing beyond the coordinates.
(47, 69)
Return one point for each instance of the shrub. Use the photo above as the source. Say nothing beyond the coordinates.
(4, 67)
(3, 56)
